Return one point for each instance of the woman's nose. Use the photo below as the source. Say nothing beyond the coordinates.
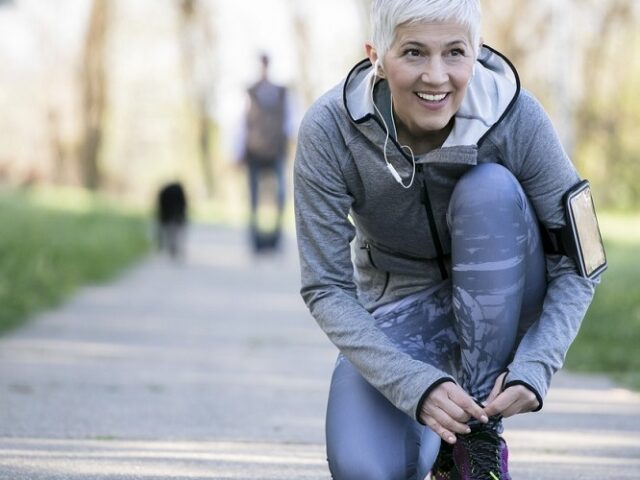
(434, 72)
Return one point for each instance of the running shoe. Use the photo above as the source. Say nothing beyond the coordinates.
(481, 455)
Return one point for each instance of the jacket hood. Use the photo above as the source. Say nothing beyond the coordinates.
(491, 93)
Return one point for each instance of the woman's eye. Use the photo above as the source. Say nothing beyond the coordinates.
(457, 52)
(412, 52)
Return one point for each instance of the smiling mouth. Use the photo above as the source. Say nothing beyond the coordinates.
(431, 97)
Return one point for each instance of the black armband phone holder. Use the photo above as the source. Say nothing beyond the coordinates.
(580, 238)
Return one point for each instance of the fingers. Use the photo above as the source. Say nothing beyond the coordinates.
(514, 400)
(447, 409)
(447, 434)
(468, 405)
(497, 388)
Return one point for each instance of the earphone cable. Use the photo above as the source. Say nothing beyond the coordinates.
(386, 141)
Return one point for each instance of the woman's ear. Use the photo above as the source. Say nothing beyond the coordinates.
(375, 60)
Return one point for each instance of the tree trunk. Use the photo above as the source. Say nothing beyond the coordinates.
(303, 47)
(94, 93)
(197, 38)
(56, 147)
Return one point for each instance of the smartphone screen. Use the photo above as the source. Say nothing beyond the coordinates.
(585, 223)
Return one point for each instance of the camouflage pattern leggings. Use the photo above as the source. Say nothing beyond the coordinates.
(468, 326)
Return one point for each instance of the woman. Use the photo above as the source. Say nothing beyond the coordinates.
(419, 184)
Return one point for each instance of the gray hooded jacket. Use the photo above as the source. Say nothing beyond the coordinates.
(365, 241)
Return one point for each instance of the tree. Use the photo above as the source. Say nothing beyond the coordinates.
(197, 40)
(302, 35)
(587, 78)
(606, 118)
(94, 89)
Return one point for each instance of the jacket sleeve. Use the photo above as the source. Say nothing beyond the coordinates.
(324, 233)
(535, 155)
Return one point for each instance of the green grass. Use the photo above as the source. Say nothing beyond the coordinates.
(609, 340)
(51, 243)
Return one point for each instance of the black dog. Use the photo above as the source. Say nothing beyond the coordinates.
(171, 218)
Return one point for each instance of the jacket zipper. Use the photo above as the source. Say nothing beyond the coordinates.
(426, 201)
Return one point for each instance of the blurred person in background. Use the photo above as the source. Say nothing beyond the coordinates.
(420, 183)
(171, 219)
(262, 148)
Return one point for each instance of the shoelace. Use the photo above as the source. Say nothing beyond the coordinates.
(483, 453)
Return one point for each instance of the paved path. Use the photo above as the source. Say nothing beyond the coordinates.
(213, 369)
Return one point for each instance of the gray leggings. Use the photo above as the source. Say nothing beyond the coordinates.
(467, 326)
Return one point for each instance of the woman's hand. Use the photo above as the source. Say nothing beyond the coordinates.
(511, 401)
(447, 409)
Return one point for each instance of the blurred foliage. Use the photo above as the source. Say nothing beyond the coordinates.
(610, 334)
(47, 252)
(577, 57)
(125, 103)
(608, 144)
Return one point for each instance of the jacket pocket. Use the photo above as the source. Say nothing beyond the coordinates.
(391, 261)
(367, 248)
(371, 280)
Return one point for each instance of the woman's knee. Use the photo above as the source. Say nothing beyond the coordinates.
(485, 186)
(368, 456)
(490, 174)
(365, 434)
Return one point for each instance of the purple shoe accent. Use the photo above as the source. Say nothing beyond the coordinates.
(481, 455)
(504, 456)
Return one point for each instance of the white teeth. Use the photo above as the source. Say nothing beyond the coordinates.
(431, 98)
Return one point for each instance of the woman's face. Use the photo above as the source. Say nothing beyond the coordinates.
(428, 67)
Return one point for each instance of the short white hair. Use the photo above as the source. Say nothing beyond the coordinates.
(387, 15)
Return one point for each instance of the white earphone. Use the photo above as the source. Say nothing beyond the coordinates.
(473, 74)
(390, 167)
